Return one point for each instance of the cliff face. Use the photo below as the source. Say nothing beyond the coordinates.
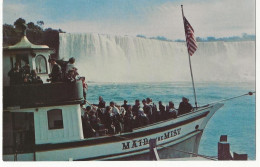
(108, 58)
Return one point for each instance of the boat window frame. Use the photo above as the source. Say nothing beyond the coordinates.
(49, 118)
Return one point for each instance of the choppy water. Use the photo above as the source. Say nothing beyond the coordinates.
(236, 119)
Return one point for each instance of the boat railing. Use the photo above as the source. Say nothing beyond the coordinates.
(37, 95)
(195, 110)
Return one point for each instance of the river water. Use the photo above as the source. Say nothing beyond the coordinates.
(236, 119)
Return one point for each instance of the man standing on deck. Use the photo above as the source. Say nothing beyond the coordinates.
(101, 104)
(117, 118)
(55, 75)
(115, 110)
(125, 105)
(154, 112)
(71, 65)
(136, 108)
(162, 110)
(147, 110)
(16, 75)
(184, 106)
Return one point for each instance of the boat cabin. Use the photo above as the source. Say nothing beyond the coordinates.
(37, 113)
(24, 52)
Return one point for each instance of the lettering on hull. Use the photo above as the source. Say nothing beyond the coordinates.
(145, 141)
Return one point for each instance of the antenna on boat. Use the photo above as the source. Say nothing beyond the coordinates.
(191, 47)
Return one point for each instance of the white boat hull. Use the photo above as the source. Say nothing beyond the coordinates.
(174, 137)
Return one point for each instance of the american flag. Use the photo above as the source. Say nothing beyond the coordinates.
(190, 39)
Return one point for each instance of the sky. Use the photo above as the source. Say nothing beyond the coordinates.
(218, 18)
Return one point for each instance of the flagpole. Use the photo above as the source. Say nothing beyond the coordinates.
(194, 92)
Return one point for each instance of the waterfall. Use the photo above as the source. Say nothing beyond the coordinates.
(109, 58)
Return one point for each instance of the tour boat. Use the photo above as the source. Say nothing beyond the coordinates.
(42, 122)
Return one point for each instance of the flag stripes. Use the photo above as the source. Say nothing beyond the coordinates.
(190, 38)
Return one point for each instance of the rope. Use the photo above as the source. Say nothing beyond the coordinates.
(249, 93)
(90, 104)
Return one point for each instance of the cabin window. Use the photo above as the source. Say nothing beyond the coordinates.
(41, 64)
(55, 120)
(22, 59)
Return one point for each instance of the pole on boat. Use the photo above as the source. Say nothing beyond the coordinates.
(194, 92)
(153, 150)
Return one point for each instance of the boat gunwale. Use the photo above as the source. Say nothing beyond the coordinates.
(112, 139)
(202, 108)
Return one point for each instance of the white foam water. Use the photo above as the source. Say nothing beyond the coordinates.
(109, 58)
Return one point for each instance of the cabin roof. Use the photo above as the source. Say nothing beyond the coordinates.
(25, 44)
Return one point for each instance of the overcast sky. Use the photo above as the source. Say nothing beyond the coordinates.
(217, 18)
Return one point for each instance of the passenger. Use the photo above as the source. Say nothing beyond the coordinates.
(26, 69)
(16, 75)
(128, 120)
(156, 114)
(93, 119)
(125, 105)
(115, 110)
(147, 110)
(142, 118)
(34, 78)
(185, 106)
(148, 101)
(101, 114)
(162, 110)
(172, 111)
(88, 131)
(26, 79)
(63, 65)
(101, 104)
(122, 111)
(71, 65)
(70, 78)
(136, 108)
(85, 87)
(76, 74)
(117, 118)
(55, 75)
(109, 117)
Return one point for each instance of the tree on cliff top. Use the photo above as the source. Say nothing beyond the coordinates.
(35, 33)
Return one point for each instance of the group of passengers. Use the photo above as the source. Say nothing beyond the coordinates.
(116, 119)
(23, 75)
(63, 71)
